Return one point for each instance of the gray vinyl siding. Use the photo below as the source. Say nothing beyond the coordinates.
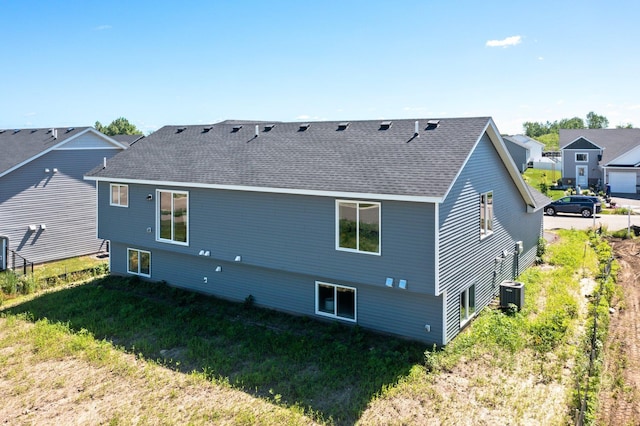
(465, 259)
(287, 243)
(285, 232)
(519, 155)
(569, 164)
(385, 310)
(63, 201)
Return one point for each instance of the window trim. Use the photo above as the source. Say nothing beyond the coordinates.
(485, 211)
(129, 249)
(337, 218)
(465, 321)
(335, 289)
(119, 203)
(158, 209)
(586, 155)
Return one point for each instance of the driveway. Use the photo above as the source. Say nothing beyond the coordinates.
(612, 222)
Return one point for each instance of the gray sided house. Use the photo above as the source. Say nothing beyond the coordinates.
(597, 157)
(405, 227)
(47, 209)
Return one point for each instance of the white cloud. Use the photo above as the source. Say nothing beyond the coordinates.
(102, 27)
(509, 41)
(303, 117)
(540, 58)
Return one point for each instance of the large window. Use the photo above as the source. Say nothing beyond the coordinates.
(173, 216)
(336, 301)
(119, 195)
(358, 226)
(467, 304)
(139, 262)
(582, 156)
(486, 214)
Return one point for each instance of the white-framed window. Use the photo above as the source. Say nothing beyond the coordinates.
(358, 226)
(119, 195)
(139, 262)
(486, 214)
(582, 157)
(467, 304)
(336, 301)
(172, 216)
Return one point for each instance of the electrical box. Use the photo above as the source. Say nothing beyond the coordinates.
(512, 292)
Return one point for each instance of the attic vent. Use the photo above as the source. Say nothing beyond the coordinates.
(70, 129)
(304, 127)
(180, 129)
(269, 127)
(432, 124)
(385, 125)
(206, 129)
(236, 128)
(343, 126)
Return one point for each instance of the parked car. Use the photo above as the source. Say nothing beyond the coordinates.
(581, 204)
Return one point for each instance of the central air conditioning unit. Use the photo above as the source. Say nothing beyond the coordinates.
(512, 292)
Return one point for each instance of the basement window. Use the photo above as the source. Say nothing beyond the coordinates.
(336, 301)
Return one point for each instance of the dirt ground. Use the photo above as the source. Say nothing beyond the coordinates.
(620, 393)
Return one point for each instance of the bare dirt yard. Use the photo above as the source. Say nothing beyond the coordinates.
(620, 392)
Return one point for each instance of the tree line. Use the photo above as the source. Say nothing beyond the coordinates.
(119, 126)
(548, 133)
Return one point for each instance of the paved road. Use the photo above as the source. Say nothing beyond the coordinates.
(612, 222)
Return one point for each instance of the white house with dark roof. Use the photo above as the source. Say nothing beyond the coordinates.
(47, 209)
(405, 227)
(525, 152)
(597, 157)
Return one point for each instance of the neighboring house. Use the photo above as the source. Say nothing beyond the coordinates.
(47, 209)
(596, 157)
(405, 227)
(525, 151)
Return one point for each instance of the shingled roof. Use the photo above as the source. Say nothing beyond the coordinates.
(359, 157)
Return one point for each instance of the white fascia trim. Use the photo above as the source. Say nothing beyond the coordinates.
(115, 143)
(576, 149)
(492, 131)
(436, 249)
(292, 191)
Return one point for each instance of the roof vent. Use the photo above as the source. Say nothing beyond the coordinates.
(2, 131)
(236, 128)
(432, 124)
(269, 127)
(416, 132)
(343, 126)
(206, 129)
(70, 129)
(34, 130)
(257, 131)
(385, 125)
(180, 129)
(15, 131)
(303, 127)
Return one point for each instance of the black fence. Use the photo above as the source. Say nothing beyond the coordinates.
(18, 264)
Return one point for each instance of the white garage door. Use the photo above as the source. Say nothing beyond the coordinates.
(623, 182)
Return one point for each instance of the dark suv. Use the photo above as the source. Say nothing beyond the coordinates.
(580, 204)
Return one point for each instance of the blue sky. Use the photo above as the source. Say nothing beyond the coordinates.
(70, 63)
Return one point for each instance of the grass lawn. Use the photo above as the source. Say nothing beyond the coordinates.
(126, 351)
(536, 177)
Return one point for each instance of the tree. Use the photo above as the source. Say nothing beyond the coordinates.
(595, 121)
(570, 123)
(119, 126)
(624, 126)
